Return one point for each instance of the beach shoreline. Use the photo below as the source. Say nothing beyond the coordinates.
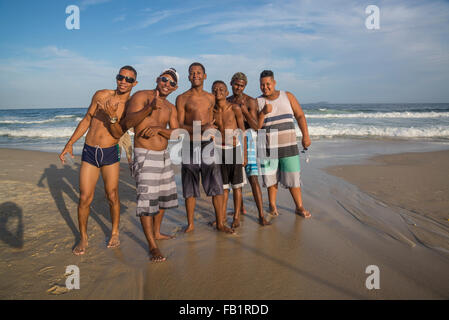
(320, 258)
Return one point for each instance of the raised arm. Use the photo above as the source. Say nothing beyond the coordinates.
(139, 107)
(250, 113)
(266, 110)
(173, 123)
(83, 125)
(301, 119)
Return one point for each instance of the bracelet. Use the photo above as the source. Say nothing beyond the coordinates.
(113, 120)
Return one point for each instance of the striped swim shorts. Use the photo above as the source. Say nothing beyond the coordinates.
(251, 167)
(284, 170)
(155, 181)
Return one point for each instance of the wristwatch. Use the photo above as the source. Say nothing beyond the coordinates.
(113, 120)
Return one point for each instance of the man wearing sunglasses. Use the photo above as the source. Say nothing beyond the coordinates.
(100, 154)
(149, 113)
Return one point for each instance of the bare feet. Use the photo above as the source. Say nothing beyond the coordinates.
(303, 212)
(225, 229)
(235, 223)
(189, 228)
(161, 236)
(114, 242)
(274, 211)
(156, 255)
(80, 248)
(264, 222)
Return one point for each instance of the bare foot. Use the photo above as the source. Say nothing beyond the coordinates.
(156, 255)
(80, 248)
(161, 236)
(225, 229)
(303, 212)
(264, 222)
(114, 242)
(235, 223)
(189, 228)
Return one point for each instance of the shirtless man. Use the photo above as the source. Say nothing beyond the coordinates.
(197, 105)
(276, 112)
(250, 112)
(149, 112)
(228, 118)
(100, 154)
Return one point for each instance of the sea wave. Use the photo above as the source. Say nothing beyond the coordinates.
(26, 121)
(38, 133)
(379, 115)
(335, 130)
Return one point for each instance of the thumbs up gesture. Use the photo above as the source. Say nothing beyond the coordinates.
(267, 108)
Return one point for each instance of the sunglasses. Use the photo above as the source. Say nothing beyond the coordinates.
(165, 79)
(119, 77)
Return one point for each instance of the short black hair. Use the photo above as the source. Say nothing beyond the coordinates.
(219, 81)
(266, 73)
(130, 69)
(197, 64)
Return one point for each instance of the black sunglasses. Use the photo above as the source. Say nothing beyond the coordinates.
(119, 77)
(165, 79)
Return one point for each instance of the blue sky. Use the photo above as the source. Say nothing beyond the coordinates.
(318, 50)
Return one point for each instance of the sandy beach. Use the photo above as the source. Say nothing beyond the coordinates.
(391, 211)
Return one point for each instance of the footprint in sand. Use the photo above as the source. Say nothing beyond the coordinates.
(43, 270)
(57, 290)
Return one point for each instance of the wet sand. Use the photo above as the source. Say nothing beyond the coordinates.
(320, 258)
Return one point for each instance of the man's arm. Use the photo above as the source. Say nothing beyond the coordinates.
(301, 119)
(266, 110)
(173, 124)
(180, 108)
(250, 113)
(139, 107)
(83, 125)
(241, 125)
(115, 128)
(149, 132)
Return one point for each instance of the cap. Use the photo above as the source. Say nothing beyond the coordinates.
(172, 72)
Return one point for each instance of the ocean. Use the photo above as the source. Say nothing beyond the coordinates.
(49, 129)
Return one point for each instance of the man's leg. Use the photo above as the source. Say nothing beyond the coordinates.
(110, 175)
(272, 193)
(237, 200)
(190, 208)
(147, 226)
(220, 214)
(300, 210)
(225, 204)
(88, 179)
(257, 194)
(157, 221)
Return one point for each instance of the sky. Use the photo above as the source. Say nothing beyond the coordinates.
(318, 50)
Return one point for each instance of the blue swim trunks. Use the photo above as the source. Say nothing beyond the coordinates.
(251, 168)
(100, 157)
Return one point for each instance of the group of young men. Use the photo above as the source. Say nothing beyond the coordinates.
(212, 148)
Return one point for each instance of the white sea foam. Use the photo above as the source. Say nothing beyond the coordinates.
(38, 133)
(65, 116)
(26, 121)
(373, 131)
(378, 115)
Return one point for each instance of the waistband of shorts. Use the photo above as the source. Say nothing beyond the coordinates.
(143, 150)
(227, 147)
(107, 148)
